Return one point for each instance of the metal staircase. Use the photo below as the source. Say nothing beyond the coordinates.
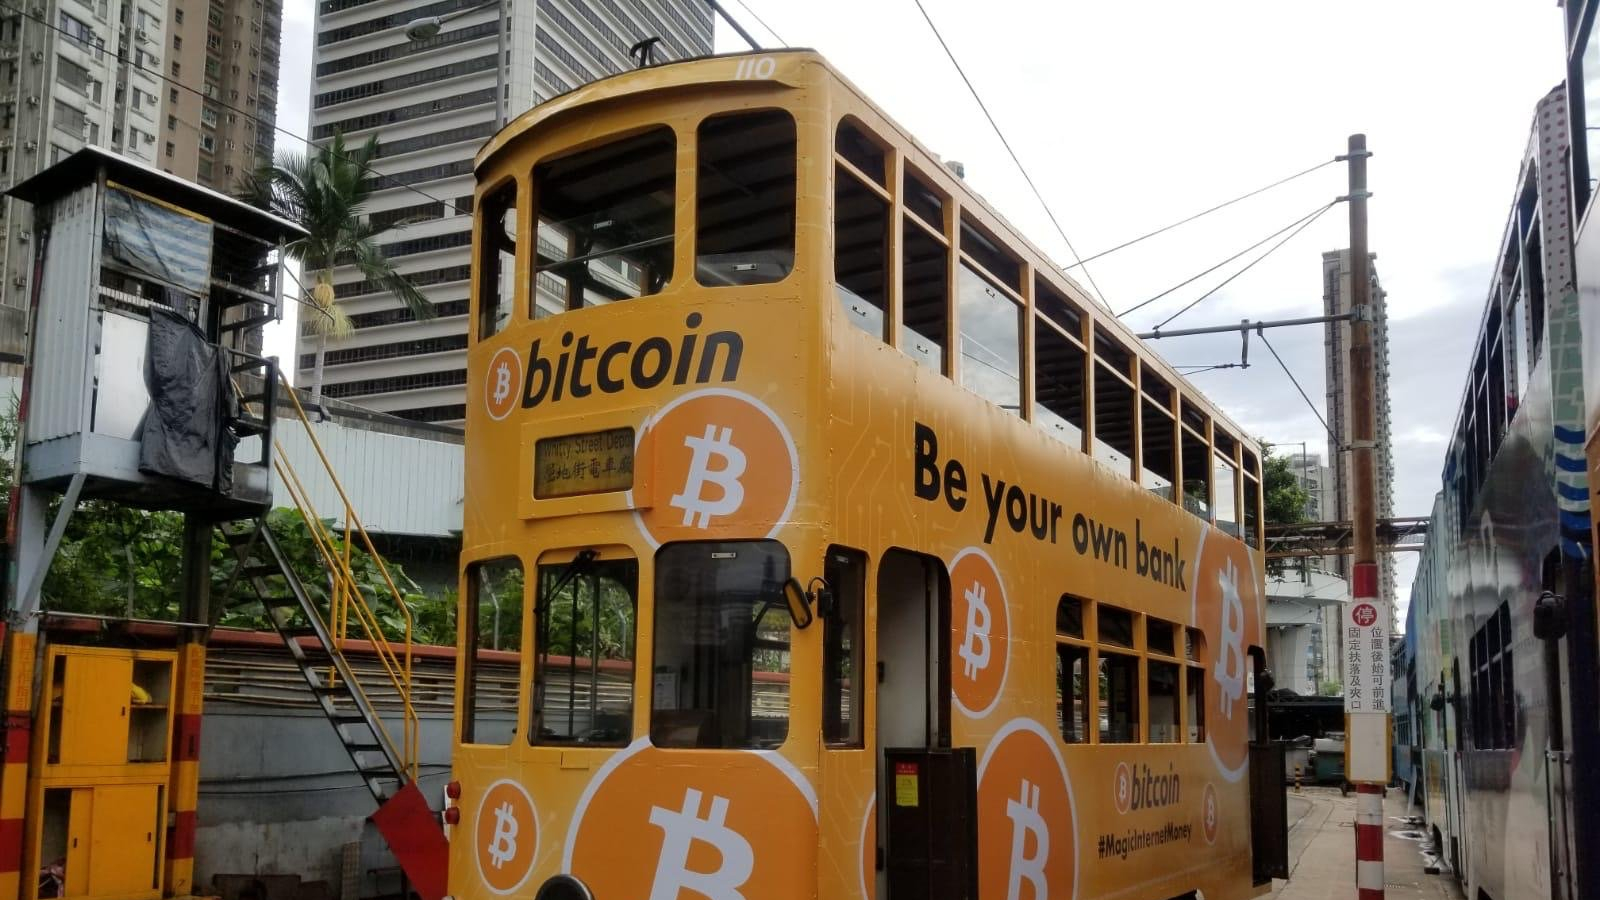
(316, 624)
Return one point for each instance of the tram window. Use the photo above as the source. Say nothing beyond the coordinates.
(1158, 453)
(583, 675)
(492, 621)
(721, 676)
(1224, 484)
(605, 222)
(1159, 637)
(1164, 725)
(1058, 380)
(744, 211)
(497, 243)
(1119, 698)
(842, 647)
(987, 251)
(1196, 473)
(924, 287)
(1113, 420)
(991, 342)
(1069, 617)
(1193, 643)
(1112, 353)
(1115, 626)
(861, 253)
(1252, 511)
(1057, 308)
(852, 142)
(1072, 692)
(1194, 692)
(923, 201)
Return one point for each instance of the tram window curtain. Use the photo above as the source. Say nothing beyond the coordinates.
(745, 198)
(491, 643)
(583, 676)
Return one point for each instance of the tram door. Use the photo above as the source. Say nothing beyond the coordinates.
(913, 713)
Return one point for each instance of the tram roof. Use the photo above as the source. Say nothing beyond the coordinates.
(680, 74)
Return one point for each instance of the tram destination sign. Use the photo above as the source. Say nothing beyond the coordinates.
(1366, 656)
(590, 463)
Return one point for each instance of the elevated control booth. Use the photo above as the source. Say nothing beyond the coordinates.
(143, 385)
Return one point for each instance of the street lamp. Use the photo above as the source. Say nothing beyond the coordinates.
(421, 29)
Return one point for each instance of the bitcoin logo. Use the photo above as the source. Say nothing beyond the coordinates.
(974, 660)
(500, 385)
(1209, 816)
(979, 633)
(1229, 670)
(649, 827)
(682, 829)
(1025, 821)
(697, 508)
(714, 464)
(504, 844)
(1124, 787)
(506, 834)
(1027, 836)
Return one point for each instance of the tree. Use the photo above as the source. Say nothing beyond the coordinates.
(1286, 499)
(326, 193)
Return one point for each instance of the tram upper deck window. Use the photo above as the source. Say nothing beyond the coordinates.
(583, 675)
(745, 208)
(1158, 437)
(497, 272)
(924, 286)
(991, 342)
(721, 676)
(1196, 472)
(924, 202)
(605, 223)
(1114, 405)
(1224, 484)
(1058, 381)
(861, 253)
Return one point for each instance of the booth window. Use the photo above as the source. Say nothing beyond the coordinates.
(721, 676)
(492, 637)
(583, 673)
(605, 223)
(745, 198)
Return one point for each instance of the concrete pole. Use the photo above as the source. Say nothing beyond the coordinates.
(1364, 493)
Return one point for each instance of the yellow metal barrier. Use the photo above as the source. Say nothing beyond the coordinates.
(345, 599)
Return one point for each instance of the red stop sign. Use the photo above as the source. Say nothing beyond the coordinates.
(1364, 614)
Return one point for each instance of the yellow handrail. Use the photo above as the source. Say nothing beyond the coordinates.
(345, 596)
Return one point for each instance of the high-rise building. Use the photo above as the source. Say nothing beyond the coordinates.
(431, 101)
(1336, 301)
(108, 73)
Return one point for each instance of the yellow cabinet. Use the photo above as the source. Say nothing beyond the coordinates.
(102, 771)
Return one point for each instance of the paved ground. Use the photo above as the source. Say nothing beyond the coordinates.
(1322, 852)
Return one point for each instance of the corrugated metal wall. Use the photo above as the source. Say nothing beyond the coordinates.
(398, 484)
(60, 387)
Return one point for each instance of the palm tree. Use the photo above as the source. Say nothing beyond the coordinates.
(325, 192)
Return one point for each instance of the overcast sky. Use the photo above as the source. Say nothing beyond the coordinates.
(1133, 115)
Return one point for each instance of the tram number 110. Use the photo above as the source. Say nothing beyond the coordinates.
(752, 69)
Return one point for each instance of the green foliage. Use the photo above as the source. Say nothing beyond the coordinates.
(1286, 500)
(1330, 689)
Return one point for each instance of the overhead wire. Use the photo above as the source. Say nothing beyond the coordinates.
(1261, 333)
(1166, 228)
(1099, 295)
(367, 167)
(1199, 275)
(760, 21)
(1251, 264)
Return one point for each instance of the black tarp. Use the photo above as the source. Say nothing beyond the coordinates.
(185, 432)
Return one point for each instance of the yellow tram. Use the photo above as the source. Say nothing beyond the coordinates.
(859, 555)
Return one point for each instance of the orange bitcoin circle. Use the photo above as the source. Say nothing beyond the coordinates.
(1122, 785)
(650, 826)
(1210, 814)
(505, 836)
(1027, 821)
(722, 465)
(1226, 610)
(980, 628)
(502, 386)
(869, 850)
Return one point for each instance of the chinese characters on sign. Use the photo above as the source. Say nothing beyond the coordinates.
(1366, 657)
(583, 463)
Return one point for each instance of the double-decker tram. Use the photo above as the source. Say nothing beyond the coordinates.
(849, 549)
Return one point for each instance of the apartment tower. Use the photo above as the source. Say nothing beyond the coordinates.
(431, 102)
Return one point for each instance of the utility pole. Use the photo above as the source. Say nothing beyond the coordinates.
(1367, 734)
